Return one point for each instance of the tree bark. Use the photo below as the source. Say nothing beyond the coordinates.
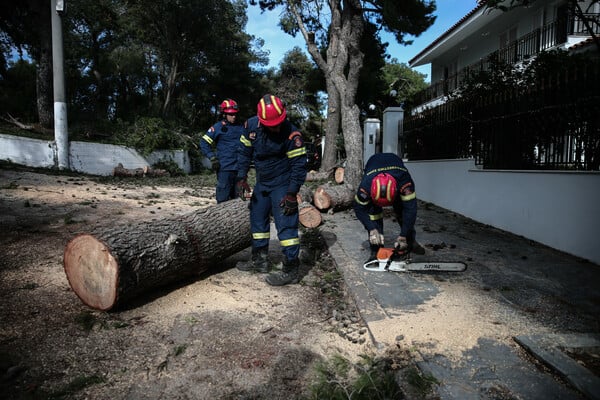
(334, 197)
(108, 267)
(304, 195)
(312, 176)
(44, 84)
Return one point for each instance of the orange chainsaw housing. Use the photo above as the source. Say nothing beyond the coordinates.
(384, 253)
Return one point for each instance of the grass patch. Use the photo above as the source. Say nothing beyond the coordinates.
(179, 349)
(423, 384)
(86, 320)
(369, 379)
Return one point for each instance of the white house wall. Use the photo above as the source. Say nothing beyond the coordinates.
(474, 40)
(556, 208)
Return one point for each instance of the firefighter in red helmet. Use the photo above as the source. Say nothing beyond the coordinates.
(220, 145)
(277, 149)
(386, 182)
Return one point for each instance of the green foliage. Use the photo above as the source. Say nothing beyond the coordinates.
(368, 379)
(170, 166)
(148, 134)
(17, 91)
(423, 384)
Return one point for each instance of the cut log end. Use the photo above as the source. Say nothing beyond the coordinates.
(309, 216)
(321, 199)
(92, 271)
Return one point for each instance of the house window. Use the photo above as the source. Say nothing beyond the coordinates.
(507, 37)
(508, 45)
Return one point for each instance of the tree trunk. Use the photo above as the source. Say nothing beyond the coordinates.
(334, 197)
(113, 265)
(44, 84)
(332, 128)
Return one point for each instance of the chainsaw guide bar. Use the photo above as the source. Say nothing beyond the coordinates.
(393, 260)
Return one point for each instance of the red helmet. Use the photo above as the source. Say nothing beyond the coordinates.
(270, 110)
(229, 107)
(383, 190)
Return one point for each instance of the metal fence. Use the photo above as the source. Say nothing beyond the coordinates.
(555, 125)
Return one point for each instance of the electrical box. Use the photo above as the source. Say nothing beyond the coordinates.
(393, 119)
(371, 139)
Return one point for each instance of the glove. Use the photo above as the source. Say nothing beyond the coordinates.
(243, 190)
(375, 238)
(214, 162)
(401, 244)
(289, 204)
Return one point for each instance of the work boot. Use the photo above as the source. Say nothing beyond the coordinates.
(288, 274)
(416, 248)
(259, 263)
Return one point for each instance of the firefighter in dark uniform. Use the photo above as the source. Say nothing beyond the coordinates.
(220, 144)
(277, 149)
(387, 182)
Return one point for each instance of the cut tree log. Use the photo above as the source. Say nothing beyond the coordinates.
(309, 216)
(112, 265)
(339, 175)
(312, 176)
(304, 195)
(334, 197)
(119, 170)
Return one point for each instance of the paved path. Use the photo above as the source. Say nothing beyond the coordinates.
(509, 327)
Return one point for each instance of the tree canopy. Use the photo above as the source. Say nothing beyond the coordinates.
(136, 72)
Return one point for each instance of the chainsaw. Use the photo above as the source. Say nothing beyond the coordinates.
(397, 260)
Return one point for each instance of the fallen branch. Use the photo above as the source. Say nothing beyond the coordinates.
(119, 170)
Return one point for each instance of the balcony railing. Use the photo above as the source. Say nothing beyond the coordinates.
(524, 48)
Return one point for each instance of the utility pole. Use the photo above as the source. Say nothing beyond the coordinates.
(61, 135)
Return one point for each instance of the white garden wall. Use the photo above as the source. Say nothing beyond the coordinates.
(85, 157)
(560, 209)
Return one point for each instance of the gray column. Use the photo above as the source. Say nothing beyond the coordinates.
(61, 136)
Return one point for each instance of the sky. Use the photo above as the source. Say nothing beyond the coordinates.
(278, 43)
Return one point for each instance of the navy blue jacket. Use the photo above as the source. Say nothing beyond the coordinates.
(279, 159)
(405, 198)
(225, 139)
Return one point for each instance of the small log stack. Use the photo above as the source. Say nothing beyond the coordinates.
(334, 197)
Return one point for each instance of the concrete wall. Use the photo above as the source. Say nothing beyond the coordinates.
(85, 157)
(560, 209)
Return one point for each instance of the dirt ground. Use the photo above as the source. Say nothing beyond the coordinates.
(225, 335)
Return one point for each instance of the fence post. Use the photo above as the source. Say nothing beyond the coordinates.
(392, 122)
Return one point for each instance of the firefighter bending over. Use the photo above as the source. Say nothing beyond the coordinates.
(387, 182)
